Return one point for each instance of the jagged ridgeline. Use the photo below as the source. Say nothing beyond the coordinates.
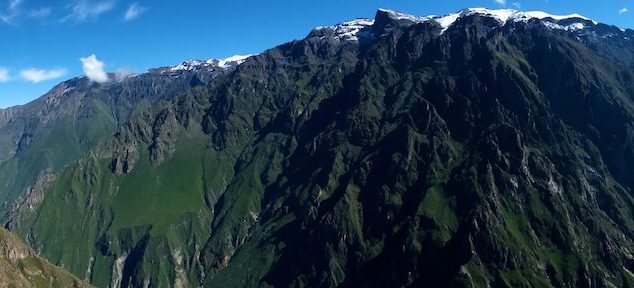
(487, 148)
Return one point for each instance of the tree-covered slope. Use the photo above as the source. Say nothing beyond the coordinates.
(393, 152)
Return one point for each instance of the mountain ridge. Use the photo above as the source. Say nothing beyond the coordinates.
(480, 155)
(502, 15)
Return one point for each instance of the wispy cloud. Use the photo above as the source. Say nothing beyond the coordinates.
(35, 76)
(500, 2)
(84, 10)
(4, 75)
(123, 74)
(9, 12)
(623, 10)
(14, 4)
(94, 69)
(41, 12)
(517, 5)
(134, 11)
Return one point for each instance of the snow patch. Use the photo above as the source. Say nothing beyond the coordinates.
(501, 15)
(186, 66)
(543, 15)
(349, 31)
(193, 65)
(446, 21)
(232, 61)
(402, 16)
(571, 27)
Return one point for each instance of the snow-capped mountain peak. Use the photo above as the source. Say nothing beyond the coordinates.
(354, 29)
(233, 61)
(402, 16)
(505, 15)
(348, 30)
(193, 65)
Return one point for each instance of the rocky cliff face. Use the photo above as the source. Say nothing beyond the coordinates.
(20, 267)
(485, 148)
(73, 117)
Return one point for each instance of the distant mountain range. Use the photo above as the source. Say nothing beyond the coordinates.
(485, 148)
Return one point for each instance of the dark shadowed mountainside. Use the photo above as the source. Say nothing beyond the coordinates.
(488, 148)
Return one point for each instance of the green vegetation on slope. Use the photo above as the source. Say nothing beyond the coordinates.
(20, 267)
(406, 159)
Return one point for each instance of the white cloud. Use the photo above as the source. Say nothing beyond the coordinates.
(4, 75)
(39, 75)
(83, 10)
(500, 2)
(517, 5)
(94, 69)
(134, 11)
(623, 10)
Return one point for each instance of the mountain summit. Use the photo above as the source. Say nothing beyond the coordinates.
(571, 22)
(501, 15)
(486, 148)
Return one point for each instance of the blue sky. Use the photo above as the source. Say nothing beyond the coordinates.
(43, 41)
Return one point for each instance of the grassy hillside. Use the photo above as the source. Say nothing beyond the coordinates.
(20, 267)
